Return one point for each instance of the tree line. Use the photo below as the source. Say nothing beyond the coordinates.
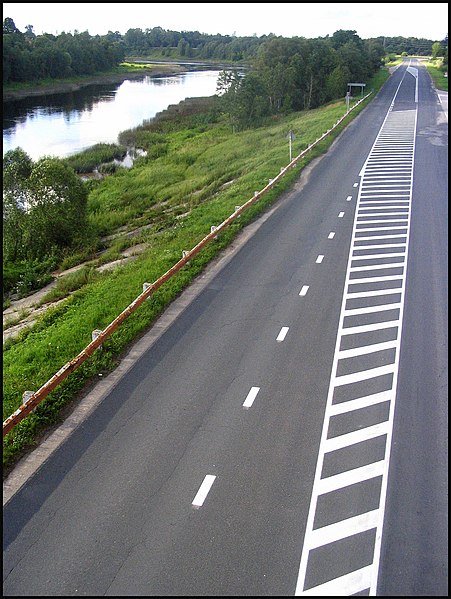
(28, 57)
(31, 57)
(293, 74)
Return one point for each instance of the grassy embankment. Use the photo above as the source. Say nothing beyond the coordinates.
(438, 77)
(193, 177)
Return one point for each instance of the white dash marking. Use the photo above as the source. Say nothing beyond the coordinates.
(355, 185)
(250, 397)
(304, 290)
(319, 259)
(331, 235)
(283, 333)
(341, 215)
(349, 198)
(203, 490)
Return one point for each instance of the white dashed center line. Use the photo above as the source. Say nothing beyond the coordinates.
(283, 333)
(250, 397)
(203, 490)
(331, 235)
(319, 259)
(341, 215)
(304, 290)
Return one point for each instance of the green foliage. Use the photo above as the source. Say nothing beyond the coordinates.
(71, 282)
(27, 57)
(44, 213)
(296, 74)
(436, 71)
(25, 276)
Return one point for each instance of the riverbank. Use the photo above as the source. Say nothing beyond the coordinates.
(60, 86)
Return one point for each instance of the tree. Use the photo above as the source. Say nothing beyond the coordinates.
(44, 207)
(436, 49)
(58, 203)
(9, 26)
(17, 167)
(336, 84)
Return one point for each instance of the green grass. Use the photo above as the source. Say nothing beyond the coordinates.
(205, 173)
(438, 77)
(91, 158)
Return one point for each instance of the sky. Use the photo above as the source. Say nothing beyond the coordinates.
(310, 20)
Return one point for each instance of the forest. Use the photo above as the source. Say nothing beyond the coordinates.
(28, 57)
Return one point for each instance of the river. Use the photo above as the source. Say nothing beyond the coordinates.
(65, 124)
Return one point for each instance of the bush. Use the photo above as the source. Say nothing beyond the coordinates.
(27, 275)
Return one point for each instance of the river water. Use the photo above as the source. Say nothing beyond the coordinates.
(64, 124)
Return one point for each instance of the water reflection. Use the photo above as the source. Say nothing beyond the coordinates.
(70, 105)
(64, 124)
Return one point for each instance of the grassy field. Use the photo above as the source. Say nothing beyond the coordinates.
(175, 195)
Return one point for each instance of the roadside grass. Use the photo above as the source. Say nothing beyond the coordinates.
(206, 172)
(438, 76)
(69, 283)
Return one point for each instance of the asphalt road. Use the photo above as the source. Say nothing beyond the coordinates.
(287, 432)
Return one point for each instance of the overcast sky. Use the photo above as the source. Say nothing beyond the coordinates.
(421, 20)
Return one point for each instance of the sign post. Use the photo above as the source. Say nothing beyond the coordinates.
(290, 137)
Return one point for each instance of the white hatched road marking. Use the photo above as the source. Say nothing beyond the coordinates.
(401, 158)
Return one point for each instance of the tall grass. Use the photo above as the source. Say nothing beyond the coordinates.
(90, 159)
(206, 172)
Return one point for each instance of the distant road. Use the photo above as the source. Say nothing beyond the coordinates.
(287, 432)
